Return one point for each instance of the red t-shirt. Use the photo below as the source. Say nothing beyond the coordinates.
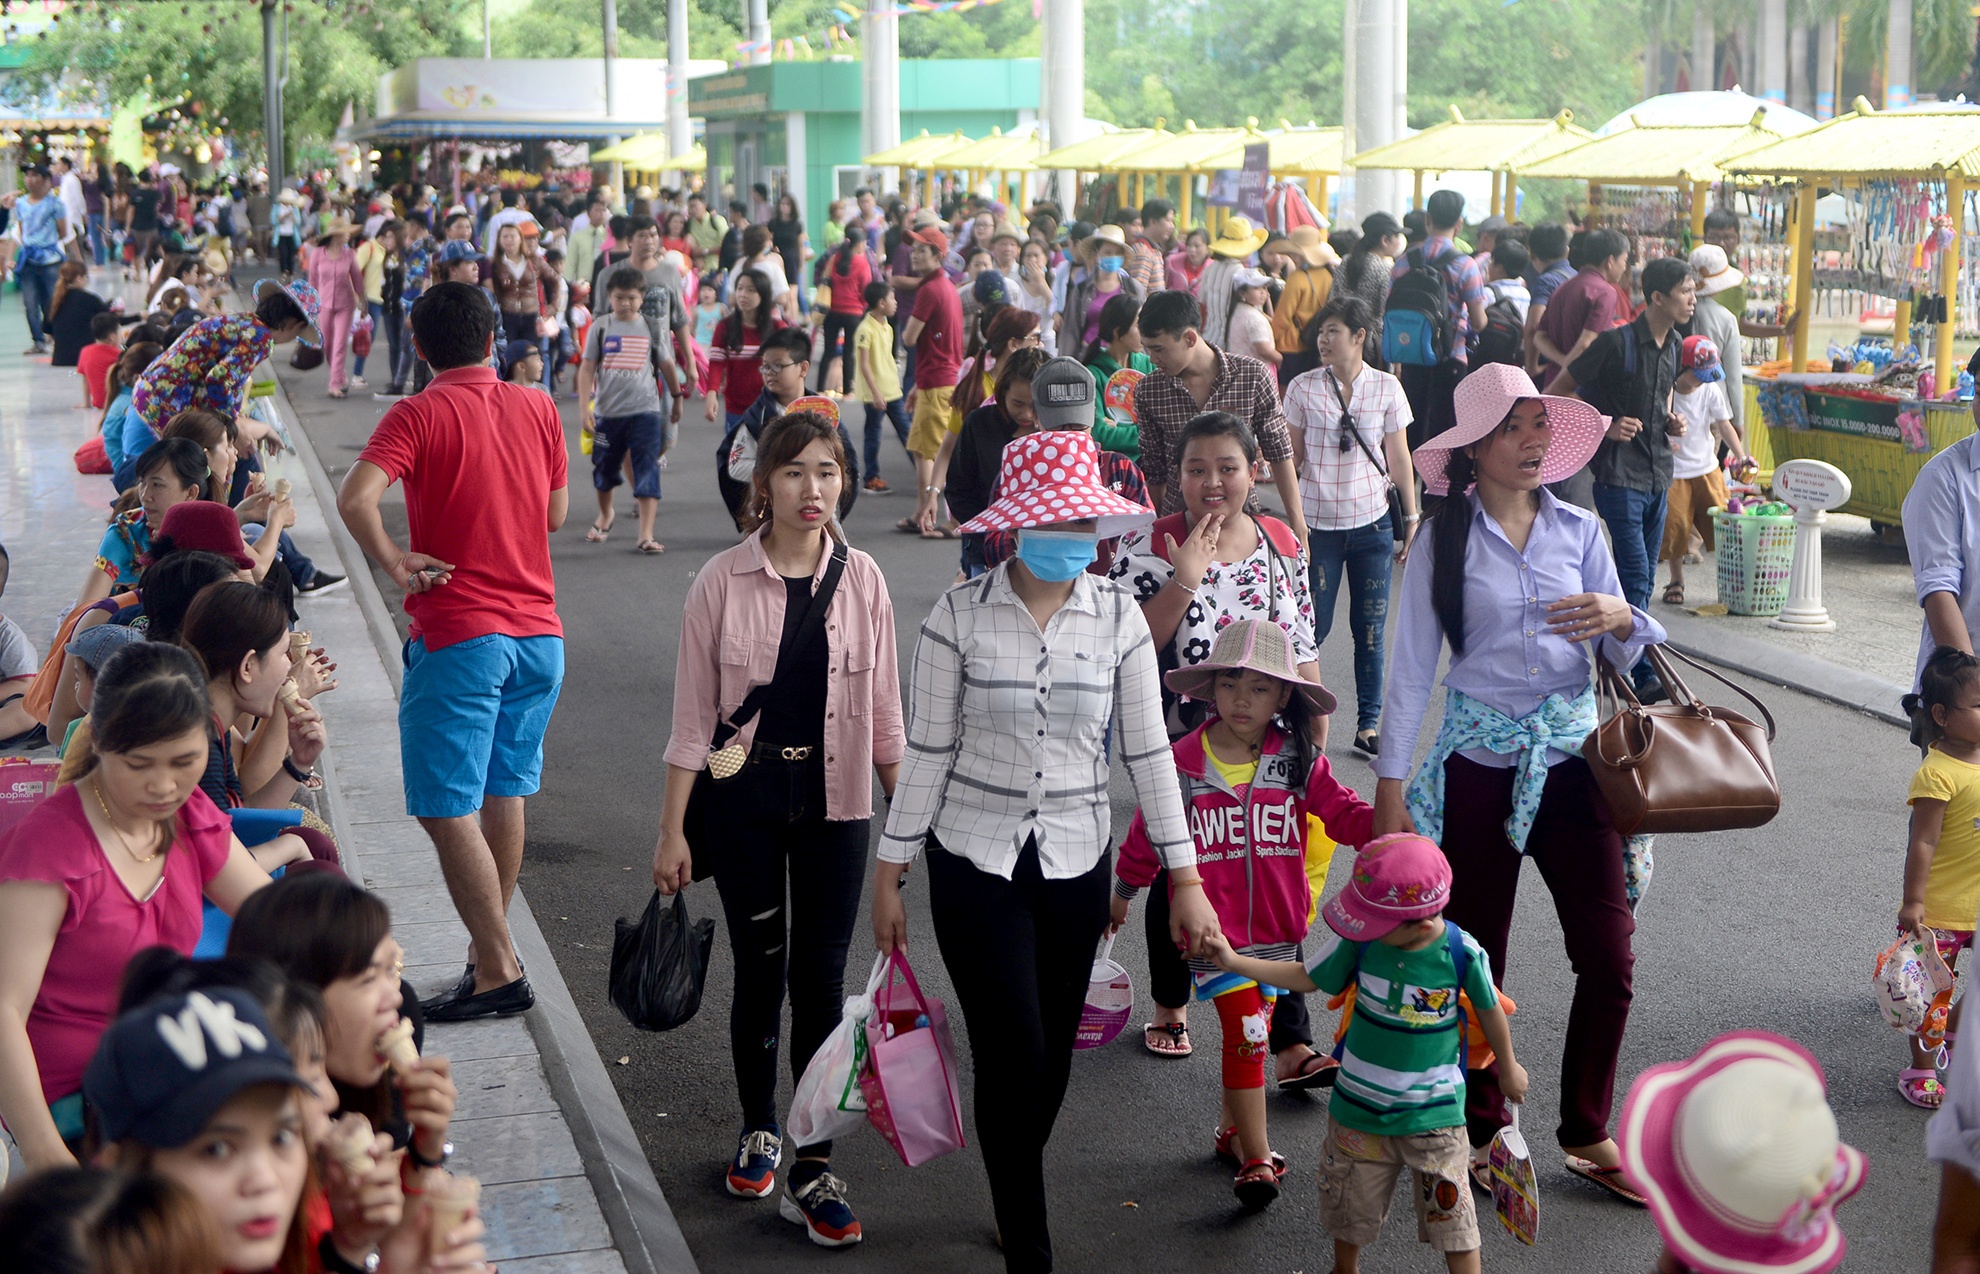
(104, 926)
(479, 459)
(849, 289)
(740, 369)
(938, 354)
(1586, 302)
(93, 364)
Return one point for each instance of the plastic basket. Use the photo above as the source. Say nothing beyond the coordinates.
(1755, 553)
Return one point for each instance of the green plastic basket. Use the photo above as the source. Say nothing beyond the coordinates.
(1755, 554)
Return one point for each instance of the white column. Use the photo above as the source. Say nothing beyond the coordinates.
(680, 133)
(1804, 611)
(1772, 53)
(757, 15)
(1897, 57)
(1704, 48)
(879, 84)
(1374, 102)
(1065, 94)
(1825, 70)
(797, 167)
(1399, 86)
(1799, 95)
(1351, 204)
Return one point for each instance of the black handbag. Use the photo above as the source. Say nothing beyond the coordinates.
(727, 756)
(1398, 527)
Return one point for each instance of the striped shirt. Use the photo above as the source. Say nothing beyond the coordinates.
(1401, 1070)
(1342, 489)
(1007, 731)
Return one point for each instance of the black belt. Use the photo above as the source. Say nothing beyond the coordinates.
(777, 752)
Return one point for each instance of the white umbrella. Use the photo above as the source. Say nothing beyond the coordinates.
(1729, 106)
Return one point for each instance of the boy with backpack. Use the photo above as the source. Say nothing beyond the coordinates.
(1399, 1099)
(1503, 338)
(1436, 302)
(626, 360)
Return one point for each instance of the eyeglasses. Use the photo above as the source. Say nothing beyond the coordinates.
(776, 369)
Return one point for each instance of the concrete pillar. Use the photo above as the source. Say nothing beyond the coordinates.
(1799, 95)
(1399, 88)
(757, 17)
(1065, 96)
(271, 94)
(1704, 48)
(879, 82)
(1825, 70)
(1772, 51)
(1374, 100)
(680, 133)
(1351, 209)
(1897, 56)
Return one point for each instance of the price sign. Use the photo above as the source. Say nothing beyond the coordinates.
(1811, 484)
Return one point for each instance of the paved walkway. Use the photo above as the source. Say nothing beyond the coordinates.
(530, 1124)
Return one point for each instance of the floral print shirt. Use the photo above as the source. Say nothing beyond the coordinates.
(1264, 585)
(207, 367)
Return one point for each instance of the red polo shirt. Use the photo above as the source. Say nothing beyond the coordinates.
(479, 459)
(1586, 302)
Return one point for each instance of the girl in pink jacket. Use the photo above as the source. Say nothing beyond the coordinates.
(1250, 778)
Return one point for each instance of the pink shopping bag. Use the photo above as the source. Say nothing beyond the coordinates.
(910, 1074)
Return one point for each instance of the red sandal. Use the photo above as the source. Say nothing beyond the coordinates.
(1257, 1184)
(1225, 1150)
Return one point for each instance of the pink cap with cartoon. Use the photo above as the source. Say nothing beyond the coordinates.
(1397, 878)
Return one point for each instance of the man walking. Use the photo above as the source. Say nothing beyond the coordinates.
(1149, 248)
(585, 242)
(486, 481)
(41, 228)
(705, 232)
(1429, 386)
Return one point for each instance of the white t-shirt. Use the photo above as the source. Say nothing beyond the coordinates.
(1249, 329)
(770, 267)
(1698, 450)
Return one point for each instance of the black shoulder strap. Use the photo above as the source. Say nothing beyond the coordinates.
(1355, 431)
(808, 628)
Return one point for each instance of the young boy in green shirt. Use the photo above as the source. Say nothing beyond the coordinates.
(1399, 1101)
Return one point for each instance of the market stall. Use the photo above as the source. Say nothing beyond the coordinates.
(922, 153)
(1907, 179)
(1097, 154)
(1009, 158)
(1486, 145)
(1146, 161)
(647, 156)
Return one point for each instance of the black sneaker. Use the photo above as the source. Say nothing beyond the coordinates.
(321, 582)
(503, 1001)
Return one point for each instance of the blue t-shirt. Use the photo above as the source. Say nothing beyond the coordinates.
(41, 242)
(137, 436)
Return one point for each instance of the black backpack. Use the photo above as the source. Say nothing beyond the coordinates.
(1416, 322)
(1503, 339)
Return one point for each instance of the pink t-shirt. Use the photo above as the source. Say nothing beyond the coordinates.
(105, 926)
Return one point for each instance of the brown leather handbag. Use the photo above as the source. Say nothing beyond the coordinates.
(1683, 767)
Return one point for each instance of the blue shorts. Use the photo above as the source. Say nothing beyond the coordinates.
(472, 718)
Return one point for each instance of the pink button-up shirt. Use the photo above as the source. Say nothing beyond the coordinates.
(730, 634)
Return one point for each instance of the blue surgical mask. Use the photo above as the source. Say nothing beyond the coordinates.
(1112, 264)
(1056, 556)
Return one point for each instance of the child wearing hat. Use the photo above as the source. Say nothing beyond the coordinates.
(1399, 1100)
(1250, 779)
(1698, 484)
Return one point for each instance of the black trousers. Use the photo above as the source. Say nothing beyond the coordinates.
(773, 828)
(1170, 986)
(1430, 390)
(1020, 952)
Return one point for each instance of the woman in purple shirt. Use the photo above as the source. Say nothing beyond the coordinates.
(1516, 581)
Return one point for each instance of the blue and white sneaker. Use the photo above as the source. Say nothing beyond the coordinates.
(820, 1206)
(754, 1172)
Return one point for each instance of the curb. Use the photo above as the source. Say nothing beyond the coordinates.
(643, 1228)
(1810, 674)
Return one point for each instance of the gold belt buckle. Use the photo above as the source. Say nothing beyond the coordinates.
(798, 754)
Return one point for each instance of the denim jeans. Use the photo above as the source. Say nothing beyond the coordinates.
(895, 411)
(1636, 530)
(37, 288)
(98, 240)
(1362, 556)
(377, 313)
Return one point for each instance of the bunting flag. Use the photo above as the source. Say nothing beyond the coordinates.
(791, 47)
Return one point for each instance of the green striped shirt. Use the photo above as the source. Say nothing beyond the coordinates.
(1402, 1068)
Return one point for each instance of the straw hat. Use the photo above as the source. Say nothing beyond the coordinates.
(1053, 477)
(1737, 1154)
(1485, 398)
(1108, 234)
(1254, 645)
(338, 225)
(1308, 244)
(1238, 239)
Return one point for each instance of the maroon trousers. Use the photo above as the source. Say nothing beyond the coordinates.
(1580, 856)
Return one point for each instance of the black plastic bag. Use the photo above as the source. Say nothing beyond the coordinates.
(660, 965)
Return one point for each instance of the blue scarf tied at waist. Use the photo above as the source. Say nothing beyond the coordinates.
(1558, 722)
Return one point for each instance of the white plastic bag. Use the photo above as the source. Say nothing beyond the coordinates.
(829, 1103)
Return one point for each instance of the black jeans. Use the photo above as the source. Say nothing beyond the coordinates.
(1019, 952)
(772, 825)
(1170, 986)
(839, 329)
(1430, 390)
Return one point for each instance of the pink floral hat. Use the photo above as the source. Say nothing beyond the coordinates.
(1737, 1154)
(1054, 477)
(1485, 398)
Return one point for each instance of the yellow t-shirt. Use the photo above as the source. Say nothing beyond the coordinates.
(873, 343)
(371, 257)
(1952, 891)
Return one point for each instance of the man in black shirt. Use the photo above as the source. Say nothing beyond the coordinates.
(1627, 373)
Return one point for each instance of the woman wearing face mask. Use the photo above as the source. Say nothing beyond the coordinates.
(980, 447)
(1105, 256)
(112, 864)
(1006, 788)
(1194, 573)
(798, 811)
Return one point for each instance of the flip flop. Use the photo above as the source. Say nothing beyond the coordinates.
(942, 533)
(597, 534)
(1225, 1151)
(1316, 1070)
(1178, 1033)
(651, 547)
(1610, 1179)
(908, 526)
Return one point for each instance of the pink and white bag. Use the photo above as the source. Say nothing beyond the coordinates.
(910, 1074)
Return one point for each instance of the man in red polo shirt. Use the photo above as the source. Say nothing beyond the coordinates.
(935, 333)
(486, 481)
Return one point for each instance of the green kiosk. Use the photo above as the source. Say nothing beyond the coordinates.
(795, 125)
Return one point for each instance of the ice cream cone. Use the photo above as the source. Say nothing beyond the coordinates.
(453, 1200)
(282, 488)
(396, 1047)
(298, 647)
(289, 696)
(350, 1143)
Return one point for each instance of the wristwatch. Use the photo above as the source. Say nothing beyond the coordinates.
(334, 1262)
(412, 1153)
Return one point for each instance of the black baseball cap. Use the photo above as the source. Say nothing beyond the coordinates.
(1062, 394)
(163, 1070)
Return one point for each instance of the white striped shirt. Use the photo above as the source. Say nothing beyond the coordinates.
(1007, 731)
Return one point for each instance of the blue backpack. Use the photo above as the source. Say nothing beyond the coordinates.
(1417, 328)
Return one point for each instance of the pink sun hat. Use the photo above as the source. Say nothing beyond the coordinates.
(1736, 1152)
(1485, 398)
(1053, 477)
(1396, 879)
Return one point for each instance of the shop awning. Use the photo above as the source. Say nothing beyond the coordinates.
(412, 126)
(1185, 152)
(1461, 145)
(1923, 142)
(918, 152)
(1017, 153)
(641, 152)
(1657, 155)
(1095, 154)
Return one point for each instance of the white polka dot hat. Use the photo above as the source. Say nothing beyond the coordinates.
(1054, 477)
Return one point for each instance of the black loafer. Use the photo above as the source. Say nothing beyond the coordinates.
(465, 986)
(1368, 744)
(503, 1001)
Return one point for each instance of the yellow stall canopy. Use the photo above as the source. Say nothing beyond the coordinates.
(1498, 146)
(643, 152)
(1657, 154)
(1016, 153)
(919, 152)
(1097, 154)
(1193, 150)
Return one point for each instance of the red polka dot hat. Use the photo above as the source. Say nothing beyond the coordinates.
(1054, 477)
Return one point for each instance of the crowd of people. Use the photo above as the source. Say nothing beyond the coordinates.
(1097, 413)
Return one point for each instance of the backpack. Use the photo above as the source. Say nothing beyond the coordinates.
(1417, 327)
(1504, 338)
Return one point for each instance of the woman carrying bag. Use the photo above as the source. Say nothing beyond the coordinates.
(787, 670)
(1016, 678)
(1517, 582)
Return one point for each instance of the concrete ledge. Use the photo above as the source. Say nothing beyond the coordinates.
(1812, 675)
(642, 1226)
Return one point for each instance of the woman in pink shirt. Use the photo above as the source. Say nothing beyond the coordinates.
(106, 867)
(339, 280)
(794, 613)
